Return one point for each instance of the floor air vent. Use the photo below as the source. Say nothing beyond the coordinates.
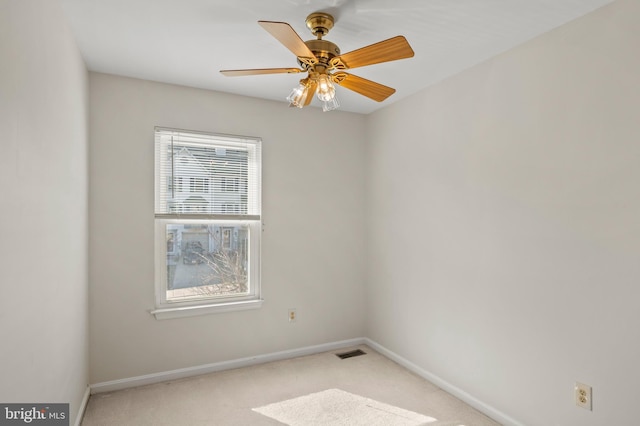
(351, 354)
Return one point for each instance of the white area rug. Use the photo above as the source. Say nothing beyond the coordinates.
(335, 407)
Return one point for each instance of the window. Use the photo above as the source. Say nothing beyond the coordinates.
(171, 243)
(226, 238)
(230, 184)
(198, 184)
(207, 235)
(230, 208)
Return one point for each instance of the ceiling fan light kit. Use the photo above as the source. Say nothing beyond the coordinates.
(319, 58)
(321, 85)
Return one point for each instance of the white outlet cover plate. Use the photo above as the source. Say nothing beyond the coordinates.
(585, 390)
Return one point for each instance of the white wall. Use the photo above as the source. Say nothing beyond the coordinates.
(43, 213)
(313, 204)
(504, 234)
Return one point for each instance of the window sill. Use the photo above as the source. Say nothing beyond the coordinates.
(191, 311)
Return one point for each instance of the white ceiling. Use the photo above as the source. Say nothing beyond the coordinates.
(187, 42)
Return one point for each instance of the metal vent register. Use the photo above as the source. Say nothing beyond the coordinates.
(351, 354)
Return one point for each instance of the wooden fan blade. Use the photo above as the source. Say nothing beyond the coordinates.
(238, 73)
(290, 39)
(313, 85)
(388, 50)
(368, 88)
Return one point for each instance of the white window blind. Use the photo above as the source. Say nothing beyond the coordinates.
(201, 175)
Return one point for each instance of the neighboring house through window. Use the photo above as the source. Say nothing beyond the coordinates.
(199, 184)
(207, 235)
(230, 184)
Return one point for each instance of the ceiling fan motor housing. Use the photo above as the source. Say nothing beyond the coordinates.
(324, 51)
(320, 23)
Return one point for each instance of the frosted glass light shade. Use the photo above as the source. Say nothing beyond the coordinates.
(326, 90)
(331, 104)
(299, 95)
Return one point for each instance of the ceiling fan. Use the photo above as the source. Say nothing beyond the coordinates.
(322, 60)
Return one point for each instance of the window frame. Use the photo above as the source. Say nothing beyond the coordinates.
(164, 308)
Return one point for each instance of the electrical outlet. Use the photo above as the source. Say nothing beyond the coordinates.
(292, 315)
(583, 396)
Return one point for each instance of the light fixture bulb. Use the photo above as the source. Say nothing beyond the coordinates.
(299, 95)
(326, 91)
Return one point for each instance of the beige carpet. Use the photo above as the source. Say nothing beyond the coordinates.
(335, 407)
(227, 398)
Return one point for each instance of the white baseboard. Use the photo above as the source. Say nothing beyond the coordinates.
(486, 409)
(83, 406)
(182, 373)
